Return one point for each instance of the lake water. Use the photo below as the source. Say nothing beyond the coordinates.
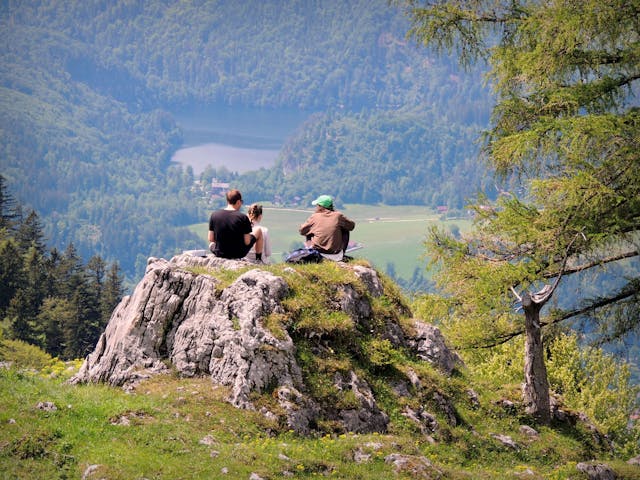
(239, 139)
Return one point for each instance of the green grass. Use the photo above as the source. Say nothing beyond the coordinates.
(178, 428)
(182, 429)
(390, 234)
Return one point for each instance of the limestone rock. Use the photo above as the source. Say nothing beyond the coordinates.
(597, 471)
(175, 317)
(414, 466)
(183, 317)
(431, 346)
(366, 417)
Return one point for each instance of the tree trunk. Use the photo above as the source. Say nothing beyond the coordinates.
(536, 384)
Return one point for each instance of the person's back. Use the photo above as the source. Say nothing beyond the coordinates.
(327, 230)
(229, 226)
(255, 216)
(230, 231)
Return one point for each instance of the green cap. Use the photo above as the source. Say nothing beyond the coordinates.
(324, 201)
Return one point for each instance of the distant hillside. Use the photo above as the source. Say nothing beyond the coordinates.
(87, 87)
(407, 157)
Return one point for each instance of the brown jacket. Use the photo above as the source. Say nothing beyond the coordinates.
(327, 230)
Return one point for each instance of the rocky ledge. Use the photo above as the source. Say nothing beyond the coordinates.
(185, 317)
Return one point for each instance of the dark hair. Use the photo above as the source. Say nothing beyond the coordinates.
(254, 211)
(233, 196)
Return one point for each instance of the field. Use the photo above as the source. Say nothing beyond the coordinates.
(389, 234)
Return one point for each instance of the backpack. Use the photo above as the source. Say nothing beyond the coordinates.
(304, 255)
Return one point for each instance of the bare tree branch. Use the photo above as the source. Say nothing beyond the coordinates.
(601, 261)
(624, 294)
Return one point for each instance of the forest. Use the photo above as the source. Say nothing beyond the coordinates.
(87, 91)
(50, 298)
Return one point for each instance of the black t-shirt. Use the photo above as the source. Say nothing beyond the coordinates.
(229, 228)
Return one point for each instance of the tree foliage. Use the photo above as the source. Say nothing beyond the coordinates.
(402, 157)
(566, 124)
(47, 298)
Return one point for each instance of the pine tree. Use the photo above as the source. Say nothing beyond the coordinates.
(30, 233)
(8, 207)
(111, 293)
(54, 314)
(82, 330)
(11, 272)
(564, 124)
(69, 272)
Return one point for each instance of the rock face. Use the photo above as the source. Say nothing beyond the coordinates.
(181, 319)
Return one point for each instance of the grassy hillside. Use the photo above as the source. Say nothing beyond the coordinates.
(390, 234)
(172, 428)
(464, 426)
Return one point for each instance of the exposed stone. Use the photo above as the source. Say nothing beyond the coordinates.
(506, 440)
(361, 457)
(473, 398)
(370, 278)
(526, 474)
(179, 318)
(301, 411)
(507, 405)
(597, 471)
(367, 417)
(416, 467)
(446, 407)
(431, 346)
(89, 471)
(207, 440)
(47, 406)
(573, 418)
(174, 316)
(634, 460)
(414, 379)
(527, 430)
(426, 421)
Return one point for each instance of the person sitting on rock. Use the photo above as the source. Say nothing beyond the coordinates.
(327, 230)
(255, 216)
(230, 231)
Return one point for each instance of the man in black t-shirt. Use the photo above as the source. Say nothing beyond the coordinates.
(230, 231)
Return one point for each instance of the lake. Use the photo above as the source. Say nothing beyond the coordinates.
(240, 139)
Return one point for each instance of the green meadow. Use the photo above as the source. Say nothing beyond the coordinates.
(389, 234)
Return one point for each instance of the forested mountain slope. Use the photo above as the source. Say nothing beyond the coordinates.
(87, 89)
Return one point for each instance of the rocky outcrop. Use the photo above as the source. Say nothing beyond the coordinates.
(183, 317)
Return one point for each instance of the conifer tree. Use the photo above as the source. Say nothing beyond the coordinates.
(111, 293)
(82, 330)
(69, 272)
(55, 313)
(27, 300)
(11, 271)
(7, 207)
(30, 233)
(565, 124)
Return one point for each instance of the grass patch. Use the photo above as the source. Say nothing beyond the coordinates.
(184, 425)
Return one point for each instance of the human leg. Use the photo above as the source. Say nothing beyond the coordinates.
(259, 244)
(345, 240)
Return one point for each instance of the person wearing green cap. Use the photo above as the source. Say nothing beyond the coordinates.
(327, 230)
